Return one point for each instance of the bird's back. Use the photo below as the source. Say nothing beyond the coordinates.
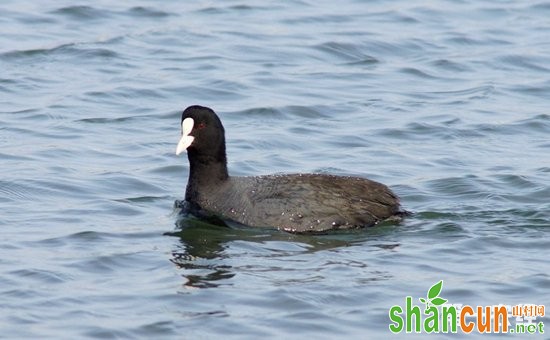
(303, 202)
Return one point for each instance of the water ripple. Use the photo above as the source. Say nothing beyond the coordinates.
(349, 53)
(82, 12)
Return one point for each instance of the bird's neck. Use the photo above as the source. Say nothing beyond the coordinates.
(205, 171)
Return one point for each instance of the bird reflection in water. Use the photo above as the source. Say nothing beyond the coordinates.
(200, 252)
(203, 251)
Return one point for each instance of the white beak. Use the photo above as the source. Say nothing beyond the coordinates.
(186, 140)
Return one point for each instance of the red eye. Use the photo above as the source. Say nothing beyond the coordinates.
(201, 126)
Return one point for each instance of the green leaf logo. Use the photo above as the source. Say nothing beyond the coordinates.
(438, 301)
(435, 290)
(433, 296)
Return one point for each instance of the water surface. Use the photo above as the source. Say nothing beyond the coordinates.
(446, 102)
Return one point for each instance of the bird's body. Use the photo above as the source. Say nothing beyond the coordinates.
(300, 202)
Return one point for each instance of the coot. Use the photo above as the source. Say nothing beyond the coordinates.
(297, 203)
